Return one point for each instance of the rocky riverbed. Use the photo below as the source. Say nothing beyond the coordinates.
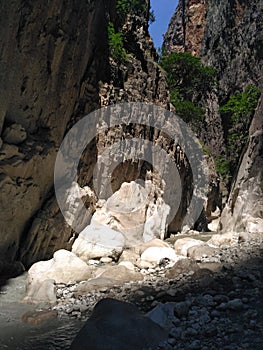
(206, 301)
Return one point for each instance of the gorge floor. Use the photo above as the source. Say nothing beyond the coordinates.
(216, 308)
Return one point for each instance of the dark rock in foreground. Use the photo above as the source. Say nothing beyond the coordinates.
(118, 325)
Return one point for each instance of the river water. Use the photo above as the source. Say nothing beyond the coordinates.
(53, 334)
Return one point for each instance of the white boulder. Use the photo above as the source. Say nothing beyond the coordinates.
(65, 267)
(97, 241)
(182, 245)
(156, 254)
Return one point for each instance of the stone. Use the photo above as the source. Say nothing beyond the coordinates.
(8, 151)
(128, 265)
(41, 292)
(163, 315)
(212, 266)
(201, 251)
(223, 239)
(133, 211)
(152, 243)
(214, 225)
(203, 277)
(95, 284)
(183, 266)
(38, 317)
(181, 245)
(106, 260)
(14, 134)
(121, 274)
(235, 304)
(97, 241)
(156, 254)
(181, 309)
(129, 255)
(65, 267)
(118, 325)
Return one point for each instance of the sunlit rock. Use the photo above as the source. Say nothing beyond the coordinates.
(97, 241)
(182, 245)
(134, 211)
(65, 267)
(156, 254)
(224, 239)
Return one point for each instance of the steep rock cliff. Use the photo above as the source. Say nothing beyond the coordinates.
(55, 68)
(229, 38)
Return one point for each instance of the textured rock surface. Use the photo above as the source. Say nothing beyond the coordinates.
(182, 245)
(186, 28)
(42, 292)
(156, 254)
(52, 60)
(65, 267)
(237, 35)
(229, 38)
(134, 211)
(118, 325)
(49, 64)
(97, 241)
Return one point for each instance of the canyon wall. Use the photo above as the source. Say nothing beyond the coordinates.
(227, 35)
(55, 68)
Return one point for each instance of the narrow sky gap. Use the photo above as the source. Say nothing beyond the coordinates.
(163, 10)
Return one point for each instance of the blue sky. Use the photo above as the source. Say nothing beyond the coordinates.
(163, 10)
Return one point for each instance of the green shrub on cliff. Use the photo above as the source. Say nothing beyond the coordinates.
(241, 105)
(189, 80)
(236, 114)
(117, 51)
(124, 7)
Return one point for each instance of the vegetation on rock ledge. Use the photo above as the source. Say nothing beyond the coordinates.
(236, 114)
(189, 80)
(117, 51)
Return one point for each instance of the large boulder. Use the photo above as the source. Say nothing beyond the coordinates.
(198, 252)
(118, 325)
(112, 276)
(224, 239)
(152, 243)
(134, 211)
(42, 293)
(184, 266)
(154, 255)
(97, 241)
(121, 274)
(65, 267)
(182, 245)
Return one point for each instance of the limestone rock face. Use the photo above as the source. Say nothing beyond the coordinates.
(244, 210)
(47, 53)
(118, 325)
(186, 28)
(228, 37)
(55, 69)
(14, 134)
